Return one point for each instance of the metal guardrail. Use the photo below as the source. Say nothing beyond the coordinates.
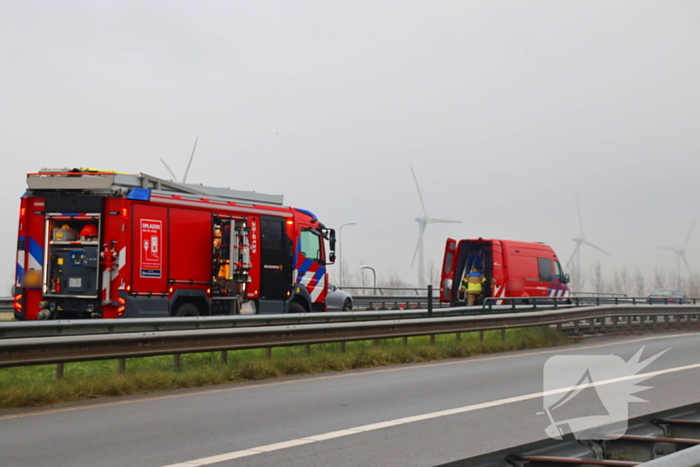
(6, 305)
(554, 302)
(26, 329)
(74, 348)
(78, 327)
(416, 290)
(599, 294)
(420, 299)
(394, 302)
(670, 438)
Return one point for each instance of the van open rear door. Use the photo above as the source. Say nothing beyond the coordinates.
(448, 271)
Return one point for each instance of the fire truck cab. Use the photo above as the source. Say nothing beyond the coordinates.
(106, 244)
(511, 269)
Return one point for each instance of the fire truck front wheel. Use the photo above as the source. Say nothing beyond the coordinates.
(187, 309)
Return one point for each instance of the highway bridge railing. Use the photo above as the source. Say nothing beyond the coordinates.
(23, 351)
(669, 438)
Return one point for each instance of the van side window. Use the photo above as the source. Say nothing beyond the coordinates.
(545, 265)
(557, 271)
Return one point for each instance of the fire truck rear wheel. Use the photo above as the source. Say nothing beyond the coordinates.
(296, 307)
(187, 309)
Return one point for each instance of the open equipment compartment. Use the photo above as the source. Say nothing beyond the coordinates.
(72, 256)
(231, 263)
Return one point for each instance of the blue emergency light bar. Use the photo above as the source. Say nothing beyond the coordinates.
(140, 194)
(308, 213)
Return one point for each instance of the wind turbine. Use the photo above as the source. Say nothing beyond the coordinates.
(184, 177)
(580, 240)
(423, 221)
(680, 254)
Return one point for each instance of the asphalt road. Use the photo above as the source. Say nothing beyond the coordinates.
(345, 419)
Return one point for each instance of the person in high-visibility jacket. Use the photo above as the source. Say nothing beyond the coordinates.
(473, 284)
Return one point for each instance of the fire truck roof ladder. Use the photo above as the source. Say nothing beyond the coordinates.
(120, 184)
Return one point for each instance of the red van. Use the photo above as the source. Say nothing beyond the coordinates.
(511, 269)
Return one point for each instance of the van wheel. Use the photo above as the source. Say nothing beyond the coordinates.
(296, 307)
(187, 309)
(347, 305)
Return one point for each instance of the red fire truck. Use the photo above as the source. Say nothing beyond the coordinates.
(511, 269)
(107, 244)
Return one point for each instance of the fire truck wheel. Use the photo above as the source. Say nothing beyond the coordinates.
(347, 305)
(296, 307)
(187, 309)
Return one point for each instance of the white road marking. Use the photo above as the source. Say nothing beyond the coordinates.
(418, 418)
(242, 386)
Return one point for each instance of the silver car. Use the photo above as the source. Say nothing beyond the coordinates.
(338, 300)
(667, 296)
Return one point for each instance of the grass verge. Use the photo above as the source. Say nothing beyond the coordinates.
(35, 386)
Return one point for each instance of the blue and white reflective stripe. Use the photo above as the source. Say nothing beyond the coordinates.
(20, 272)
(550, 292)
(20, 261)
(36, 255)
(302, 271)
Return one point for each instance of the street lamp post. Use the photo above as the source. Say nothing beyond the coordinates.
(374, 273)
(341, 279)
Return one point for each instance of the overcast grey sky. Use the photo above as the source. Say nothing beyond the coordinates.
(505, 109)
